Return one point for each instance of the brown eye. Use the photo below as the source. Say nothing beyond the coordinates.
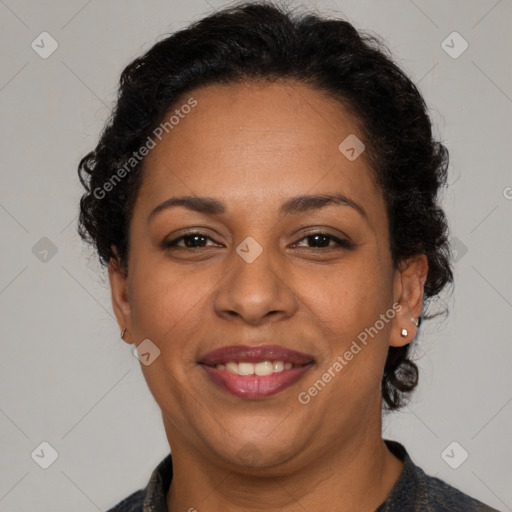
(190, 241)
(323, 240)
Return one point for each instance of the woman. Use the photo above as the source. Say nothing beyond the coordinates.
(265, 199)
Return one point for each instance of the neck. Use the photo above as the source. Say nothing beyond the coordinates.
(354, 475)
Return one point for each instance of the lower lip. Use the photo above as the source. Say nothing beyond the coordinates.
(254, 387)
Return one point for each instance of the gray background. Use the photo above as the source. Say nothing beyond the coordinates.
(66, 377)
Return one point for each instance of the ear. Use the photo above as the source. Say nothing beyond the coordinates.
(120, 300)
(409, 281)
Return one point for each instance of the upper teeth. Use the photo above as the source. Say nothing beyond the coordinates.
(261, 369)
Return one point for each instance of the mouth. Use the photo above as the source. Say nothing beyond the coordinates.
(255, 372)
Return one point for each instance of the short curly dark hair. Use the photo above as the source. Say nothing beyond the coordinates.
(265, 40)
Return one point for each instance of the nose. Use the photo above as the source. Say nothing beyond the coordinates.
(255, 292)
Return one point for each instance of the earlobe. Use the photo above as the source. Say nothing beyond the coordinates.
(409, 285)
(120, 299)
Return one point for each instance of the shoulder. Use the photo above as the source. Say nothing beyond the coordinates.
(416, 491)
(153, 497)
(445, 498)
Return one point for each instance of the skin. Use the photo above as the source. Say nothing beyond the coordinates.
(252, 146)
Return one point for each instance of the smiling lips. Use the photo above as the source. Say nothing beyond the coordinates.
(255, 372)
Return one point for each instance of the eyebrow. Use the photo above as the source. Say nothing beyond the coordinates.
(293, 206)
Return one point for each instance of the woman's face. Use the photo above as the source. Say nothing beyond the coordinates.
(255, 274)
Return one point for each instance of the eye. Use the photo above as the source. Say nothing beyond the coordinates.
(323, 240)
(190, 241)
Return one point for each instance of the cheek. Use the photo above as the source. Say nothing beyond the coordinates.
(346, 307)
(166, 309)
(164, 301)
(345, 299)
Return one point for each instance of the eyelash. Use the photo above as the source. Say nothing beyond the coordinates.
(341, 243)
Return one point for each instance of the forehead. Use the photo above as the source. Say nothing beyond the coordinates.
(257, 141)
